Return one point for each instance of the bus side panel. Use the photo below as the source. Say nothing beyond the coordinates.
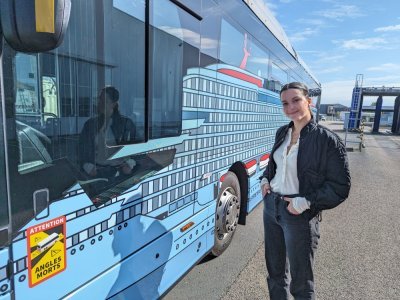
(170, 272)
(5, 297)
(4, 281)
(161, 254)
(254, 192)
(106, 249)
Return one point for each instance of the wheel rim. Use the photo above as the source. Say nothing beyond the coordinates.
(228, 209)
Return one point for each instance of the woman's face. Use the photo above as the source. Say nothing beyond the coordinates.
(295, 104)
(105, 105)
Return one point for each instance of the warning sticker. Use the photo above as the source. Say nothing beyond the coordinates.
(46, 250)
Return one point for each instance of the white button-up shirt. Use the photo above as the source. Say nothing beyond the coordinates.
(285, 181)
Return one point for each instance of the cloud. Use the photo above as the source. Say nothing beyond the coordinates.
(389, 67)
(363, 44)
(259, 60)
(327, 57)
(308, 51)
(303, 35)
(191, 37)
(314, 22)
(329, 70)
(388, 28)
(340, 12)
(359, 33)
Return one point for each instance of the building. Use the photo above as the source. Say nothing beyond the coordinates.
(332, 110)
(368, 114)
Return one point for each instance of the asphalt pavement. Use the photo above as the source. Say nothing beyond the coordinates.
(359, 249)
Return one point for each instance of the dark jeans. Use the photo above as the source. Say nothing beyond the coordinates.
(290, 245)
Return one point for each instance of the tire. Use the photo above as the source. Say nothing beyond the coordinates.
(226, 213)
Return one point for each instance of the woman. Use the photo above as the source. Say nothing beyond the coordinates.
(102, 133)
(307, 173)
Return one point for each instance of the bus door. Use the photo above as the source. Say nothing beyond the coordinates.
(205, 87)
(187, 21)
(177, 29)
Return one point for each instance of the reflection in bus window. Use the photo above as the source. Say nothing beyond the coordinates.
(50, 96)
(99, 134)
(33, 151)
(258, 60)
(278, 78)
(231, 47)
(172, 31)
(242, 50)
(26, 98)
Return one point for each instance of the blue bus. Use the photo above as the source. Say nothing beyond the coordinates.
(134, 132)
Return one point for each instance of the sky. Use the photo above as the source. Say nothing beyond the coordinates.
(339, 39)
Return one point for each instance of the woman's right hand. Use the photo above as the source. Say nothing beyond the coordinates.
(265, 189)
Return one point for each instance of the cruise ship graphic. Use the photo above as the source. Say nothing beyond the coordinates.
(216, 100)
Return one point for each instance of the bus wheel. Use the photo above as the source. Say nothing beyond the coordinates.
(227, 213)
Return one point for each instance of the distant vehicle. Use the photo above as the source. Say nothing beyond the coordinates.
(322, 118)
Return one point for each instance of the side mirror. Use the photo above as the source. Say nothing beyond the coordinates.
(34, 25)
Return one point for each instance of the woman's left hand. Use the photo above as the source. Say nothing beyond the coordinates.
(290, 207)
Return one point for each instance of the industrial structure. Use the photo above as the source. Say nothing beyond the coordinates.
(359, 92)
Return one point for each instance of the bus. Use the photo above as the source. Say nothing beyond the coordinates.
(136, 130)
(45, 244)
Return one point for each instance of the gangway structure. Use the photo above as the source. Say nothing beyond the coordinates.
(357, 102)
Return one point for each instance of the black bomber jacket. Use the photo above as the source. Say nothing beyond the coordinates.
(322, 166)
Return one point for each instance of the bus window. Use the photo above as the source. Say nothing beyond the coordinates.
(209, 36)
(258, 60)
(242, 50)
(27, 91)
(278, 78)
(52, 96)
(232, 44)
(177, 33)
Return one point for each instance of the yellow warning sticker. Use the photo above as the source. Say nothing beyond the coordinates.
(46, 250)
